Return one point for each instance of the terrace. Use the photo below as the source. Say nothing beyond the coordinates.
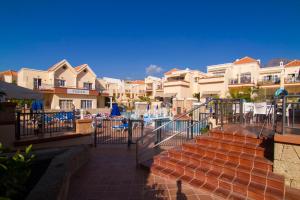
(111, 171)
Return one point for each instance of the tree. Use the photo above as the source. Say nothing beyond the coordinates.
(241, 93)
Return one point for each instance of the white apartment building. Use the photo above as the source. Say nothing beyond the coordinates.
(154, 87)
(123, 91)
(248, 73)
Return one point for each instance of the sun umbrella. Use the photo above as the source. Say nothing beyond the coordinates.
(281, 92)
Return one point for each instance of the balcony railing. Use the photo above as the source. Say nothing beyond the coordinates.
(233, 81)
(149, 88)
(243, 80)
(272, 81)
(292, 80)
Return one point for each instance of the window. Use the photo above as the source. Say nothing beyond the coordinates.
(246, 77)
(60, 83)
(86, 104)
(66, 104)
(88, 86)
(37, 82)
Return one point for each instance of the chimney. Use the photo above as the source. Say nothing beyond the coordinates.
(281, 63)
(258, 60)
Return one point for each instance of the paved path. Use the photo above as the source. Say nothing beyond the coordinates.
(111, 174)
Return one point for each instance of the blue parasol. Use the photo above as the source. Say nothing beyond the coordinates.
(37, 105)
(281, 92)
(115, 110)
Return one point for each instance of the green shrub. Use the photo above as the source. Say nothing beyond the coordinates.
(14, 173)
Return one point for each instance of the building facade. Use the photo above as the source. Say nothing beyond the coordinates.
(247, 73)
(9, 76)
(65, 87)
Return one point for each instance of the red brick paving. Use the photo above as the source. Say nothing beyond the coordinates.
(111, 173)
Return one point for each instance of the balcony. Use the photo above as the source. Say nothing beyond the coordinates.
(170, 83)
(233, 81)
(244, 81)
(149, 88)
(265, 82)
(292, 80)
(54, 89)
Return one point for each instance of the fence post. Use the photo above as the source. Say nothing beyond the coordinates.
(216, 111)
(241, 111)
(18, 126)
(142, 130)
(74, 120)
(221, 109)
(129, 133)
(274, 118)
(283, 114)
(192, 129)
(158, 135)
(95, 133)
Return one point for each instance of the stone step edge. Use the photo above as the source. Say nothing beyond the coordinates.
(258, 171)
(191, 170)
(218, 150)
(189, 180)
(237, 133)
(235, 143)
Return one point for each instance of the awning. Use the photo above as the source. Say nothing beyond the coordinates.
(14, 91)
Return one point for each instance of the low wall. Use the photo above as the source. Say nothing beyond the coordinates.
(287, 158)
(54, 184)
(84, 126)
(7, 135)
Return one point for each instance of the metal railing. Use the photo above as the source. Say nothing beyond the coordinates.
(117, 131)
(272, 81)
(171, 133)
(228, 111)
(292, 80)
(290, 114)
(43, 123)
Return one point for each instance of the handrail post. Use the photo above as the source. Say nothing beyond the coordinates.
(18, 126)
(74, 120)
(283, 114)
(221, 107)
(241, 111)
(95, 132)
(192, 129)
(129, 133)
(274, 118)
(216, 112)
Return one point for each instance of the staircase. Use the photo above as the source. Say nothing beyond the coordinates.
(229, 163)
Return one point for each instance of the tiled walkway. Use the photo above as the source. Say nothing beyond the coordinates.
(111, 174)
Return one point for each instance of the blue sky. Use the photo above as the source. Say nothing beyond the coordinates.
(122, 38)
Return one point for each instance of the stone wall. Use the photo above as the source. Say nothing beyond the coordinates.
(287, 162)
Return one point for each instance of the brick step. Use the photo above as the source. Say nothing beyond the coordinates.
(236, 137)
(243, 159)
(236, 191)
(222, 172)
(227, 145)
(229, 167)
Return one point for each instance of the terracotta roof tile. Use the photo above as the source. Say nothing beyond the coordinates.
(293, 63)
(78, 68)
(245, 60)
(137, 82)
(9, 73)
(171, 71)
